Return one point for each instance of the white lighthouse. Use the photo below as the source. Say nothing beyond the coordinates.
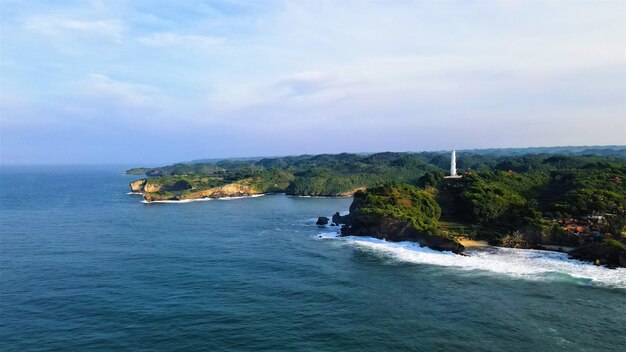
(453, 163)
(453, 173)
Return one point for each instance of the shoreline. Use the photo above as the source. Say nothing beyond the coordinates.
(469, 243)
(173, 201)
(205, 199)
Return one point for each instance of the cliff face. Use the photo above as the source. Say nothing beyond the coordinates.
(137, 186)
(601, 254)
(151, 187)
(144, 186)
(229, 190)
(396, 213)
(397, 230)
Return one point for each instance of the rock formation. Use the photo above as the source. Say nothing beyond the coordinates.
(397, 230)
(600, 253)
(137, 186)
(396, 213)
(228, 190)
(322, 220)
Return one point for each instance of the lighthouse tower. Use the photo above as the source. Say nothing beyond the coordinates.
(453, 164)
(453, 173)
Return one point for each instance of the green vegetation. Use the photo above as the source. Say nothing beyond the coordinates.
(183, 183)
(137, 171)
(319, 175)
(501, 191)
(616, 244)
(516, 197)
(524, 198)
(494, 204)
(400, 202)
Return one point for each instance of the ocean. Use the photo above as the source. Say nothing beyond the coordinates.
(84, 266)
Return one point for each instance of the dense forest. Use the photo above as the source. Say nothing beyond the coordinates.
(343, 174)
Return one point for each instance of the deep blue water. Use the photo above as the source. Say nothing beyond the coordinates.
(86, 267)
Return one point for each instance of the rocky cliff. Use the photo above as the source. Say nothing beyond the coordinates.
(137, 186)
(609, 253)
(397, 230)
(144, 186)
(396, 213)
(238, 189)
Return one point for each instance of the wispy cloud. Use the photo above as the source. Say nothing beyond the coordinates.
(115, 92)
(56, 26)
(190, 41)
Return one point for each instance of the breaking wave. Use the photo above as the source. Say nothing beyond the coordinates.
(178, 201)
(242, 197)
(523, 263)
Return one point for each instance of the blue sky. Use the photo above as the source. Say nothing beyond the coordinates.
(153, 82)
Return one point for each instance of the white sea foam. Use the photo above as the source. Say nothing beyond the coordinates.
(177, 201)
(328, 235)
(199, 199)
(242, 197)
(523, 263)
(320, 197)
(135, 193)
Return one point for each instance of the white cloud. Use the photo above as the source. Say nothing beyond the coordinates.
(190, 41)
(57, 26)
(379, 67)
(110, 91)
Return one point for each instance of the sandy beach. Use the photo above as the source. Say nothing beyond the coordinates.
(468, 243)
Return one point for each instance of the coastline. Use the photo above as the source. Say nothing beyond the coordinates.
(464, 241)
(205, 199)
(469, 243)
(174, 201)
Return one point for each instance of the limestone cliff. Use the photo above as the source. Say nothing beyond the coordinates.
(144, 186)
(151, 187)
(237, 189)
(137, 186)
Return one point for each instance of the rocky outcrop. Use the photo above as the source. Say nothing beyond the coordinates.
(601, 254)
(228, 190)
(338, 219)
(322, 220)
(137, 186)
(397, 230)
(397, 213)
(151, 187)
(144, 186)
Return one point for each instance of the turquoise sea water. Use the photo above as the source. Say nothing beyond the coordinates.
(86, 267)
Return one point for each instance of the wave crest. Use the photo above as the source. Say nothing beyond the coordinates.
(523, 263)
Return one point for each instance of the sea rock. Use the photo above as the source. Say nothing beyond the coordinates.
(322, 220)
(338, 219)
(607, 255)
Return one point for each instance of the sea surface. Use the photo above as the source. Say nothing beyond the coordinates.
(84, 266)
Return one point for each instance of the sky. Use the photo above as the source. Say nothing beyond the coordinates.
(151, 82)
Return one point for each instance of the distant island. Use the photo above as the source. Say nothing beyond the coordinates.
(565, 198)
